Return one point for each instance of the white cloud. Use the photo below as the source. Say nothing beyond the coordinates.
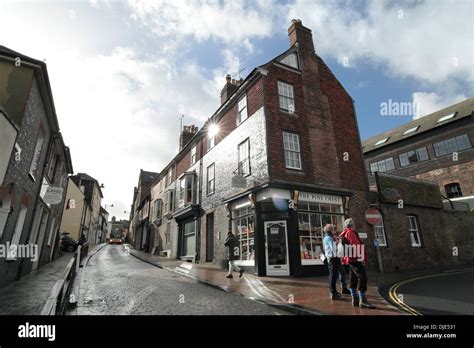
(432, 42)
(427, 103)
(229, 21)
(118, 110)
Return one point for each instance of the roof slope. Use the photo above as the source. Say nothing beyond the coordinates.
(462, 110)
(391, 188)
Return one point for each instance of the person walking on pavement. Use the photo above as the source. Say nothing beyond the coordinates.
(234, 254)
(330, 251)
(354, 255)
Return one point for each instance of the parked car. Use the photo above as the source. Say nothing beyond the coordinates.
(67, 243)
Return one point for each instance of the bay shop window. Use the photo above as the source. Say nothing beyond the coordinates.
(312, 216)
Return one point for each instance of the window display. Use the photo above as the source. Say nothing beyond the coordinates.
(311, 219)
(244, 230)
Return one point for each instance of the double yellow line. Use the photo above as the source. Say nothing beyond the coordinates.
(395, 298)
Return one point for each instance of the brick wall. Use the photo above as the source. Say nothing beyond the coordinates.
(462, 173)
(399, 253)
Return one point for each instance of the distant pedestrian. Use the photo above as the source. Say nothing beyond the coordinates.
(234, 254)
(334, 263)
(354, 256)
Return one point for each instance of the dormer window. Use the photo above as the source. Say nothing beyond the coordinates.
(445, 118)
(411, 130)
(291, 60)
(380, 142)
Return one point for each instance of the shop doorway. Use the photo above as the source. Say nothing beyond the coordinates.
(276, 248)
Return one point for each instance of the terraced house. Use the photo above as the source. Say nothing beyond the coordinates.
(278, 159)
(34, 164)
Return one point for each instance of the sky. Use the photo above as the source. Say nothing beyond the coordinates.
(122, 73)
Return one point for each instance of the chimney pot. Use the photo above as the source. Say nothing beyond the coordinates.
(228, 78)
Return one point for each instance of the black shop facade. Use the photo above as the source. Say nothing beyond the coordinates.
(280, 229)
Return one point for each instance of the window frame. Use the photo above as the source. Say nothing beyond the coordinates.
(411, 230)
(285, 150)
(443, 145)
(213, 180)
(193, 155)
(241, 110)
(34, 164)
(377, 163)
(247, 159)
(458, 190)
(169, 202)
(281, 95)
(416, 152)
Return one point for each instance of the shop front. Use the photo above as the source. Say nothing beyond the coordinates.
(188, 226)
(281, 230)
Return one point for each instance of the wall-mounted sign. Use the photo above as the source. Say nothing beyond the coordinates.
(238, 181)
(319, 198)
(362, 235)
(53, 195)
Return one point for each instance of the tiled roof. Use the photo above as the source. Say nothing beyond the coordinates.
(462, 109)
(391, 188)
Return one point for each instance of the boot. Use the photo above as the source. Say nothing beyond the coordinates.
(345, 291)
(363, 303)
(336, 296)
(355, 301)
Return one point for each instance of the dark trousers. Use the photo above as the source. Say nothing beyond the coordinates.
(358, 278)
(334, 264)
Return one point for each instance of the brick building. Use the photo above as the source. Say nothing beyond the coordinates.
(34, 164)
(410, 235)
(436, 148)
(278, 159)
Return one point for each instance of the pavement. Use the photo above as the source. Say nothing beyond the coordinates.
(296, 295)
(115, 283)
(28, 295)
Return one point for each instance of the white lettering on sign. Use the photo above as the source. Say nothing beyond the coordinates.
(319, 198)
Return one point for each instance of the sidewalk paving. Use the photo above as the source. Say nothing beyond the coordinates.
(298, 295)
(28, 295)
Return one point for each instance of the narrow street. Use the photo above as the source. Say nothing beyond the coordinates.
(116, 283)
(448, 293)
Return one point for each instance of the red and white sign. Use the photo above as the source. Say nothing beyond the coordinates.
(373, 216)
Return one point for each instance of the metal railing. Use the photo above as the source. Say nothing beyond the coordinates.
(59, 295)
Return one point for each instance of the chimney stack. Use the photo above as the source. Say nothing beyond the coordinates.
(186, 134)
(229, 88)
(301, 36)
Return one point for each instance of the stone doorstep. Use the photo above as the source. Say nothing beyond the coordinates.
(319, 305)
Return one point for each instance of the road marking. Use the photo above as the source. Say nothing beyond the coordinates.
(393, 290)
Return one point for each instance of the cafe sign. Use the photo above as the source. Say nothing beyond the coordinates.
(53, 195)
(319, 198)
